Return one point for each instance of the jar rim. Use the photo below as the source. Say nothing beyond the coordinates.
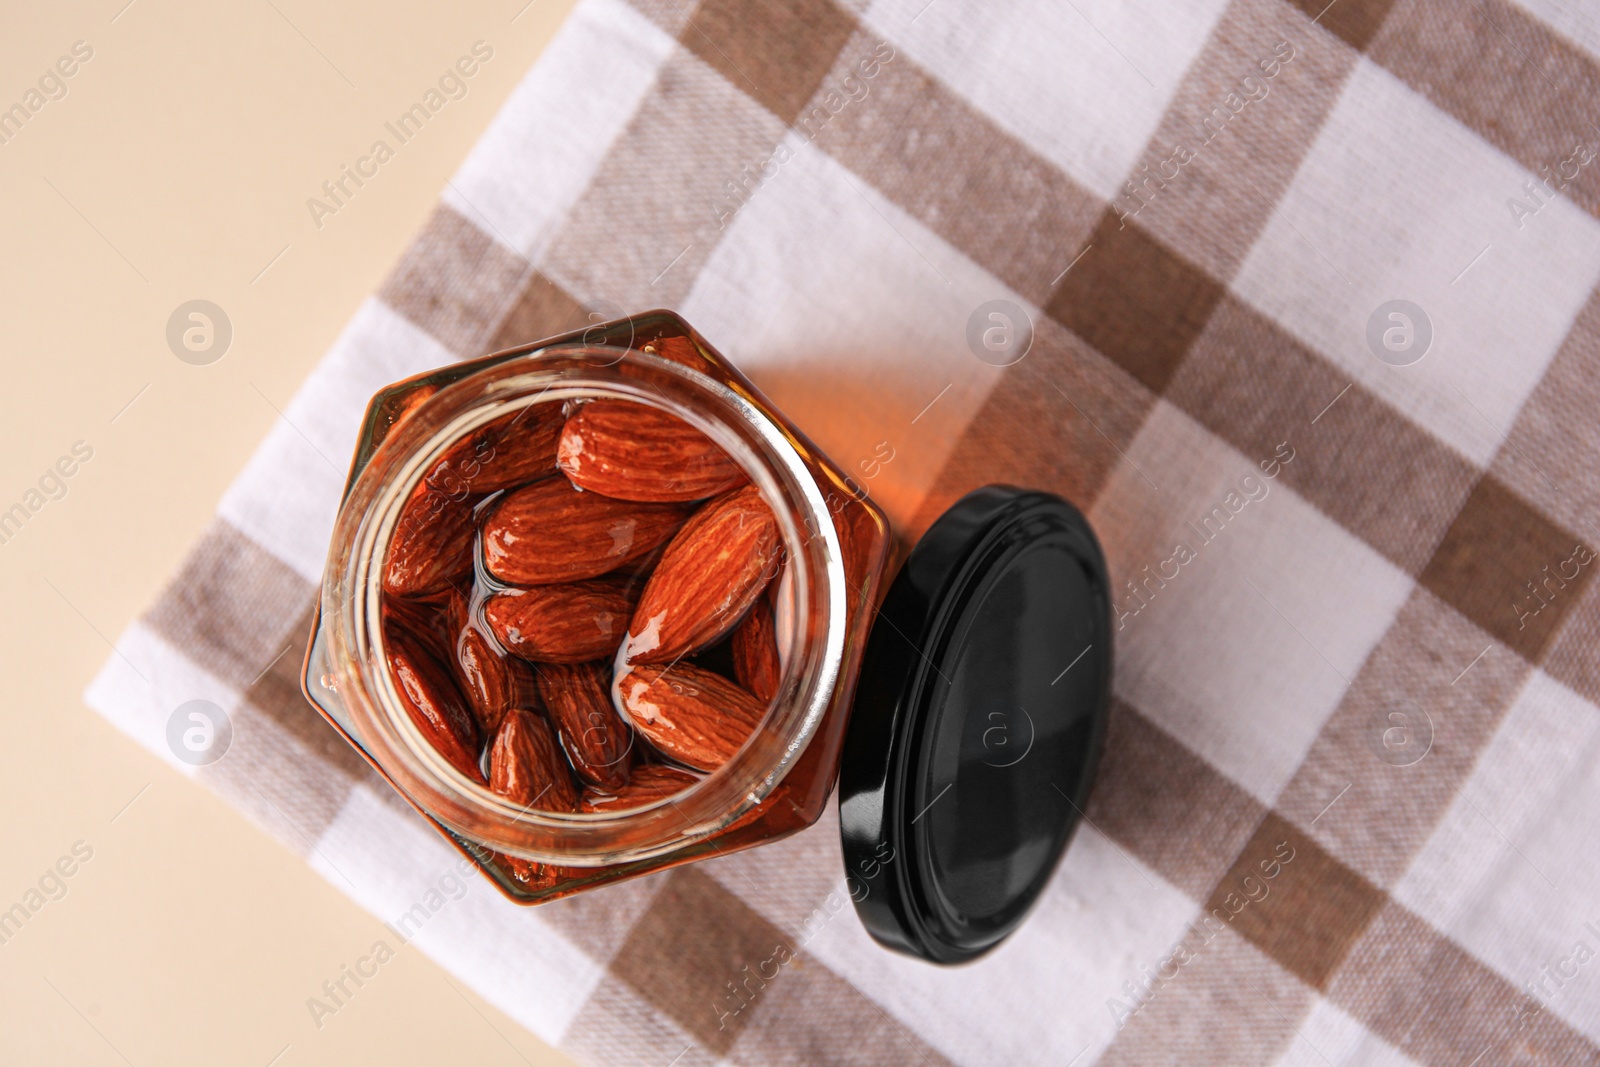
(549, 374)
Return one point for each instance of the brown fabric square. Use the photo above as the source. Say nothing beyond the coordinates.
(692, 954)
(1136, 301)
(707, 961)
(543, 309)
(951, 168)
(232, 607)
(453, 282)
(1505, 75)
(775, 50)
(277, 694)
(278, 780)
(1308, 914)
(1170, 808)
(1079, 408)
(1355, 22)
(1252, 384)
(1504, 566)
(1438, 1004)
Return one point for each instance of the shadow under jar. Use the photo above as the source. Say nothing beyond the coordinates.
(596, 609)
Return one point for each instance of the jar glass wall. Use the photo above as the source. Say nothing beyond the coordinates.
(835, 543)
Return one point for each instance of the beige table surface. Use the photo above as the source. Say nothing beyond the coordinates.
(177, 166)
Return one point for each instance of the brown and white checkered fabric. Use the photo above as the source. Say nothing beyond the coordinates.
(1326, 564)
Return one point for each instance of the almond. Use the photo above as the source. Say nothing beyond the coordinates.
(689, 714)
(432, 543)
(508, 451)
(434, 703)
(755, 652)
(533, 875)
(649, 783)
(635, 573)
(527, 768)
(552, 532)
(632, 451)
(679, 350)
(572, 623)
(598, 743)
(492, 682)
(424, 618)
(431, 546)
(401, 406)
(712, 572)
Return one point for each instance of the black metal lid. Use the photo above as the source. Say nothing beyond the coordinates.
(978, 720)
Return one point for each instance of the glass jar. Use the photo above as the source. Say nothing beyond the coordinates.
(943, 890)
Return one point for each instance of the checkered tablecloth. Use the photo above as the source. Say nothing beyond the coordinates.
(1348, 809)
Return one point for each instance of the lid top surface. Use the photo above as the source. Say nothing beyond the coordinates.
(977, 723)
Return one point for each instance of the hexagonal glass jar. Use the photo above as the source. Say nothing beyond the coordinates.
(836, 544)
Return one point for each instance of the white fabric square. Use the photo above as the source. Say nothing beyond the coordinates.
(558, 126)
(1577, 20)
(1084, 83)
(1104, 911)
(287, 497)
(1395, 201)
(140, 706)
(379, 347)
(1244, 650)
(1329, 1036)
(870, 331)
(1501, 875)
(399, 869)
